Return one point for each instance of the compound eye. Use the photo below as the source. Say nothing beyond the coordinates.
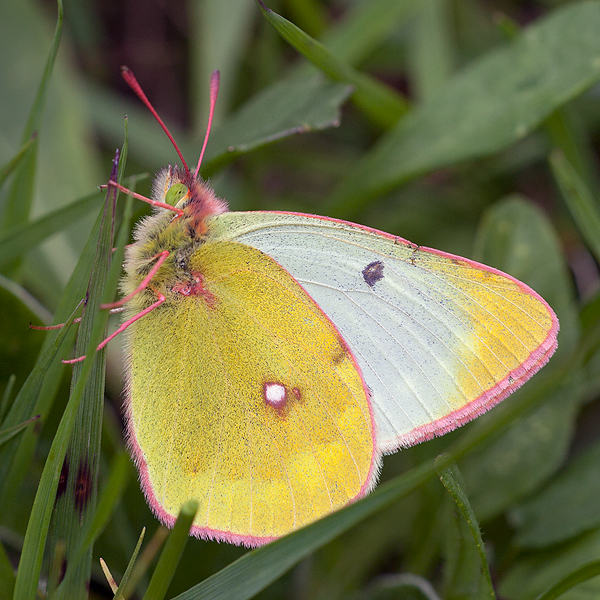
(175, 193)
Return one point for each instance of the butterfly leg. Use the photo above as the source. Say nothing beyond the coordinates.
(123, 327)
(142, 198)
(162, 256)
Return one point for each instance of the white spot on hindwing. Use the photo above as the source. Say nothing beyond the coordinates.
(274, 393)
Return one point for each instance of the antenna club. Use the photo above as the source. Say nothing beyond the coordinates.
(215, 78)
(214, 92)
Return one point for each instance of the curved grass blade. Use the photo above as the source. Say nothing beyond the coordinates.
(449, 476)
(20, 196)
(493, 102)
(381, 103)
(171, 554)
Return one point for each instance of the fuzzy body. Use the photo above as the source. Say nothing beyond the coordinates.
(163, 230)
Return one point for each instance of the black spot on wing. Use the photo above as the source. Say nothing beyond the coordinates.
(373, 273)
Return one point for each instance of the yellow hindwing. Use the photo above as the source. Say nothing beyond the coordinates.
(244, 396)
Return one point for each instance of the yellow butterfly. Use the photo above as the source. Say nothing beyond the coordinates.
(273, 358)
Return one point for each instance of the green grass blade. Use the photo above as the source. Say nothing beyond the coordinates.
(7, 575)
(10, 432)
(12, 471)
(255, 570)
(146, 560)
(169, 558)
(220, 34)
(35, 115)
(381, 103)
(24, 405)
(93, 325)
(583, 574)
(567, 136)
(449, 476)
(404, 586)
(75, 505)
(20, 196)
(5, 401)
(367, 25)
(496, 100)
(432, 50)
(14, 162)
(286, 108)
(21, 238)
(564, 509)
(294, 105)
(119, 593)
(583, 206)
(311, 15)
(27, 299)
(109, 497)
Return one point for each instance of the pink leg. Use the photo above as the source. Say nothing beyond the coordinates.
(122, 328)
(51, 327)
(61, 325)
(162, 256)
(143, 198)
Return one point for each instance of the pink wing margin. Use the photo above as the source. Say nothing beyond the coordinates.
(494, 395)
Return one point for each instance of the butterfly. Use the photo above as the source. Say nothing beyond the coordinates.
(273, 358)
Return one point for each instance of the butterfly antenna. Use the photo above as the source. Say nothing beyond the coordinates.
(129, 77)
(214, 92)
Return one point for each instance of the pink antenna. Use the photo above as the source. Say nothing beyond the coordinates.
(129, 77)
(214, 92)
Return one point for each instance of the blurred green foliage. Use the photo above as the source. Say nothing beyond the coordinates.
(465, 125)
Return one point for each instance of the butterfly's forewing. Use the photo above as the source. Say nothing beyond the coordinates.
(439, 339)
(243, 395)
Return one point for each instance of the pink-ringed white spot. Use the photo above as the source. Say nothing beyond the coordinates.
(274, 393)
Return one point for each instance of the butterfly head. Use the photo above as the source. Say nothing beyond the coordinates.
(177, 187)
